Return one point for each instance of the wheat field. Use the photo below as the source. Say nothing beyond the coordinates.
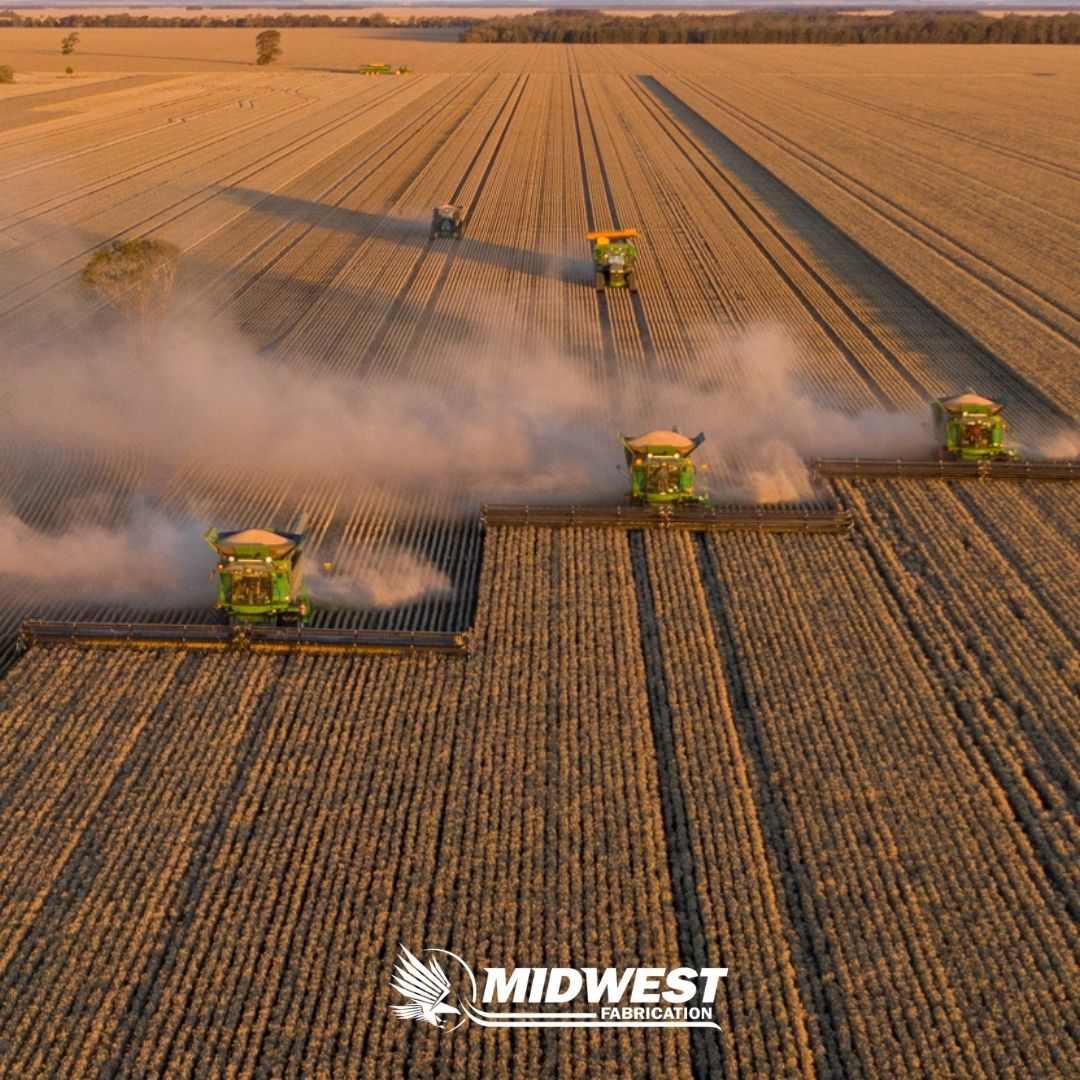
(846, 767)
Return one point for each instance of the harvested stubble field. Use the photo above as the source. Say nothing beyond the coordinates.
(847, 768)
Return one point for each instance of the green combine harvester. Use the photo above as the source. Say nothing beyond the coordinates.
(971, 445)
(614, 255)
(260, 581)
(662, 496)
(972, 428)
(261, 593)
(660, 468)
(384, 69)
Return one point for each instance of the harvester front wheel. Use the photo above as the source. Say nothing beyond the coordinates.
(631, 281)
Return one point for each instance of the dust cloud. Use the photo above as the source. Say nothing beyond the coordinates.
(481, 421)
(482, 425)
(762, 421)
(379, 579)
(150, 559)
(486, 424)
(1060, 446)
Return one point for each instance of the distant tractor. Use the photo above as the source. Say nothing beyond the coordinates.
(660, 467)
(614, 255)
(971, 428)
(446, 222)
(383, 69)
(259, 577)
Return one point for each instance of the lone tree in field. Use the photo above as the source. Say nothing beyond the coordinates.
(6, 74)
(267, 46)
(134, 276)
(67, 46)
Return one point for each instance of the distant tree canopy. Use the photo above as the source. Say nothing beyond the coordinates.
(286, 20)
(67, 46)
(584, 25)
(267, 46)
(134, 276)
(807, 26)
(6, 74)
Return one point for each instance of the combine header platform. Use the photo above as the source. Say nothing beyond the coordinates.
(263, 639)
(761, 519)
(945, 469)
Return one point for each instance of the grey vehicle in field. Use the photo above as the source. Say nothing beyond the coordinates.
(447, 222)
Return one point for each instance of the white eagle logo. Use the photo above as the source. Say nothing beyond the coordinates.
(428, 987)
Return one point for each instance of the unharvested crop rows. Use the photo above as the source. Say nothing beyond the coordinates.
(290, 868)
(860, 757)
(757, 752)
(1009, 662)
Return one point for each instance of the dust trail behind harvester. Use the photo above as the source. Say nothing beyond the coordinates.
(148, 560)
(382, 578)
(483, 424)
(486, 425)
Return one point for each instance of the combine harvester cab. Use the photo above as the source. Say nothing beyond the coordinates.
(660, 468)
(972, 428)
(447, 222)
(614, 255)
(260, 579)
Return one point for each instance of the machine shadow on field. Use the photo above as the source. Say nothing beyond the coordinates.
(409, 232)
(281, 316)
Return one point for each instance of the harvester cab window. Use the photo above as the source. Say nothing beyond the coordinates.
(250, 590)
(662, 479)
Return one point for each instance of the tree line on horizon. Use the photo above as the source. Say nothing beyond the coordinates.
(574, 26)
(796, 27)
(286, 20)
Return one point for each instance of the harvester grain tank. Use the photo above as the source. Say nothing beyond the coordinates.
(447, 222)
(614, 256)
(660, 467)
(260, 579)
(972, 428)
